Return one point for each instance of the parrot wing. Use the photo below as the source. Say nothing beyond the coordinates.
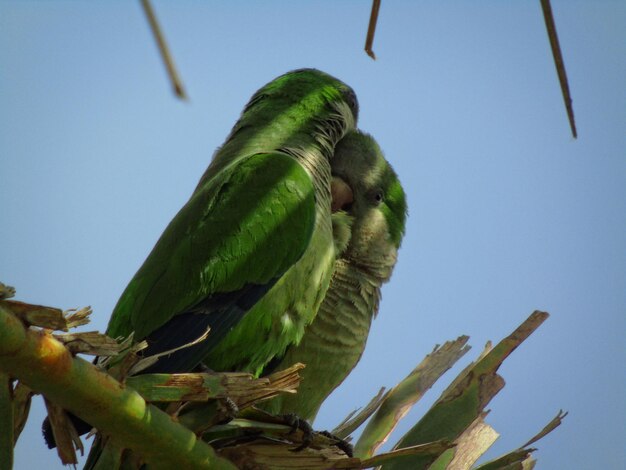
(223, 251)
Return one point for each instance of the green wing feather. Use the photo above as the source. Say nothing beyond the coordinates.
(247, 225)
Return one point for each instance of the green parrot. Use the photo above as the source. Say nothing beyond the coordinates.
(250, 255)
(368, 232)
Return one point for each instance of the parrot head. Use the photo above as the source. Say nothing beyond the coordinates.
(306, 87)
(296, 111)
(369, 205)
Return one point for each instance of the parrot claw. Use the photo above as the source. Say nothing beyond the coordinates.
(297, 423)
(341, 444)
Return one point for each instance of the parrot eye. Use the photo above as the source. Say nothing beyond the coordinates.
(378, 196)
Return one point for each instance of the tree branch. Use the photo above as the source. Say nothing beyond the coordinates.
(44, 364)
(177, 84)
(559, 64)
(371, 29)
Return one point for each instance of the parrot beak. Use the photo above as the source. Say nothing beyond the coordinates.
(341, 193)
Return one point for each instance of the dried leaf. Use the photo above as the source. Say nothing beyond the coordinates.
(6, 292)
(276, 453)
(148, 361)
(517, 460)
(551, 426)
(520, 459)
(283, 381)
(463, 374)
(240, 387)
(79, 317)
(470, 445)
(403, 396)
(37, 315)
(427, 451)
(179, 387)
(242, 391)
(22, 397)
(120, 364)
(354, 420)
(89, 342)
(263, 454)
(65, 434)
(465, 401)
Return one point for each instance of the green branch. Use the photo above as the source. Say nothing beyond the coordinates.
(45, 365)
(451, 434)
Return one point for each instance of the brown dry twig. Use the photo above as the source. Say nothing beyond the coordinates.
(177, 83)
(371, 29)
(558, 62)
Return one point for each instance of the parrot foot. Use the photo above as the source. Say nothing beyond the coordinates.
(296, 423)
(340, 443)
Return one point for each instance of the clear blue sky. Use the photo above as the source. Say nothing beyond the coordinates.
(507, 212)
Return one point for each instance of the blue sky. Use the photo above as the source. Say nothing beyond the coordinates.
(508, 213)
